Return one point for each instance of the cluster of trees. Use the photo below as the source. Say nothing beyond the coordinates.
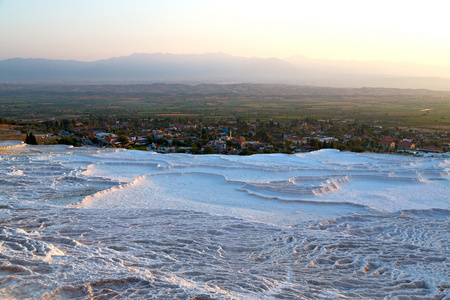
(6, 121)
(354, 146)
(69, 141)
(31, 139)
(54, 126)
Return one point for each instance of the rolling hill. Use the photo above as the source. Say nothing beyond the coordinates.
(218, 68)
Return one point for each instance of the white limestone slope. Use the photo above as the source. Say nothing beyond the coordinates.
(91, 223)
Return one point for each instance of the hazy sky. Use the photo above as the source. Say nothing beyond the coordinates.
(394, 30)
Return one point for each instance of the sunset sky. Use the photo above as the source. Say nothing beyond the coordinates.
(415, 31)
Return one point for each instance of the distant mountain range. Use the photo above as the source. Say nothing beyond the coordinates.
(223, 68)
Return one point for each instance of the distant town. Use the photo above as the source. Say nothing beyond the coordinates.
(238, 136)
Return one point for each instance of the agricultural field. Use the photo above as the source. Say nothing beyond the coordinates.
(10, 132)
(423, 109)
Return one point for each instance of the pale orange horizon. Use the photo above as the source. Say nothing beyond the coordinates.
(394, 31)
